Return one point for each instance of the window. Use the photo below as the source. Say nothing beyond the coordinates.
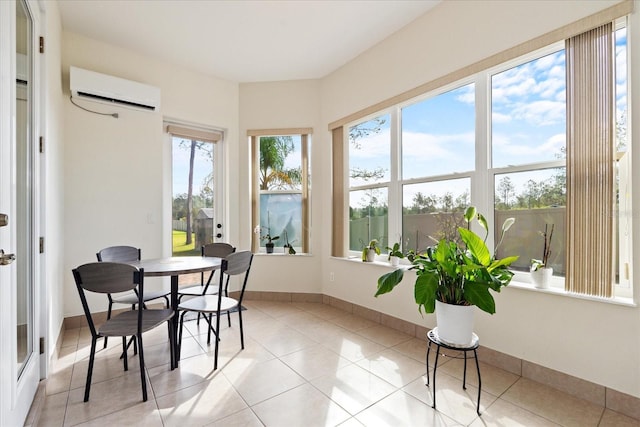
(369, 175)
(281, 191)
(528, 151)
(414, 167)
(196, 212)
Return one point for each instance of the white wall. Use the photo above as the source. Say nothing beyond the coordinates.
(54, 178)
(113, 168)
(596, 341)
(294, 104)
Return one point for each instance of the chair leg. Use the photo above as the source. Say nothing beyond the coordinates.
(124, 353)
(171, 347)
(180, 336)
(108, 317)
(215, 360)
(87, 387)
(143, 378)
(241, 330)
(211, 328)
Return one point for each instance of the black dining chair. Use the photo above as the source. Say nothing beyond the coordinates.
(125, 254)
(218, 250)
(235, 264)
(112, 277)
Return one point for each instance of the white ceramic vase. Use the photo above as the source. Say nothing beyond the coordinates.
(394, 261)
(455, 323)
(371, 255)
(541, 277)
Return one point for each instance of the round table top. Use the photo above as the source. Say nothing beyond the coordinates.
(432, 335)
(173, 266)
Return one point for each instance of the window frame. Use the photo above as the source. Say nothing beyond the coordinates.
(482, 193)
(305, 135)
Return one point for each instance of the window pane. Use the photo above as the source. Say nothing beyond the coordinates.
(621, 89)
(281, 216)
(368, 217)
(193, 196)
(370, 151)
(439, 129)
(533, 198)
(528, 116)
(433, 210)
(280, 162)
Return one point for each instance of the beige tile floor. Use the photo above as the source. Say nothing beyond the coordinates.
(304, 364)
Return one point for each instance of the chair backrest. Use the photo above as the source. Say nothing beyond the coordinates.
(119, 254)
(107, 278)
(235, 264)
(220, 250)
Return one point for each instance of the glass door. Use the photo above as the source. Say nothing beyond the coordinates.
(195, 215)
(19, 318)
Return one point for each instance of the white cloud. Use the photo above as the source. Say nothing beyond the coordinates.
(499, 117)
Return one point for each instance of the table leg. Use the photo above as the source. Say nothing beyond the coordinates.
(174, 321)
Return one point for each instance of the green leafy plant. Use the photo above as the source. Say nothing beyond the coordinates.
(373, 245)
(288, 245)
(456, 273)
(395, 251)
(267, 236)
(547, 235)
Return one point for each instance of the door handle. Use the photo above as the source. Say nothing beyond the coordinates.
(4, 220)
(6, 259)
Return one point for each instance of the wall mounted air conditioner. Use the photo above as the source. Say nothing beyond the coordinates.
(112, 90)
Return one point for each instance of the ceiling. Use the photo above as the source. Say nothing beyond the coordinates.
(244, 40)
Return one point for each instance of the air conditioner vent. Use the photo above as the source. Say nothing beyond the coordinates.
(112, 90)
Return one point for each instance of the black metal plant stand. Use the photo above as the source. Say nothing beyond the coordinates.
(433, 338)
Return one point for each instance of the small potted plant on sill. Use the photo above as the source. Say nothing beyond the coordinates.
(541, 273)
(268, 237)
(288, 246)
(453, 277)
(370, 251)
(395, 254)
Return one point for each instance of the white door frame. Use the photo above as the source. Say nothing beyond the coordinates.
(16, 394)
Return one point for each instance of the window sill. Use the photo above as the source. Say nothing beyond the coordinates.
(559, 291)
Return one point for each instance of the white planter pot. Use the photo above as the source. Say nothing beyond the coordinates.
(541, 277)
(455, 323)
(371, 255)
(394, 261)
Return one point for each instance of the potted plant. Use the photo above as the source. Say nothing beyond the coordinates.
(454, 277)
(540, 271)
(395, 254)
(270, 239)
(288, 247)
(267, 236)
(370, 251)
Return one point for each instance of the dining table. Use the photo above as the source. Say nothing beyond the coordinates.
(174, 267)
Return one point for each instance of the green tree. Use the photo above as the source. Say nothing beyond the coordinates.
(273, 154)
(506, 193)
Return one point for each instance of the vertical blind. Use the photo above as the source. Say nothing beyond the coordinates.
(590, 162)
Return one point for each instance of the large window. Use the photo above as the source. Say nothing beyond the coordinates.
(416, 166)
(281, 191)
